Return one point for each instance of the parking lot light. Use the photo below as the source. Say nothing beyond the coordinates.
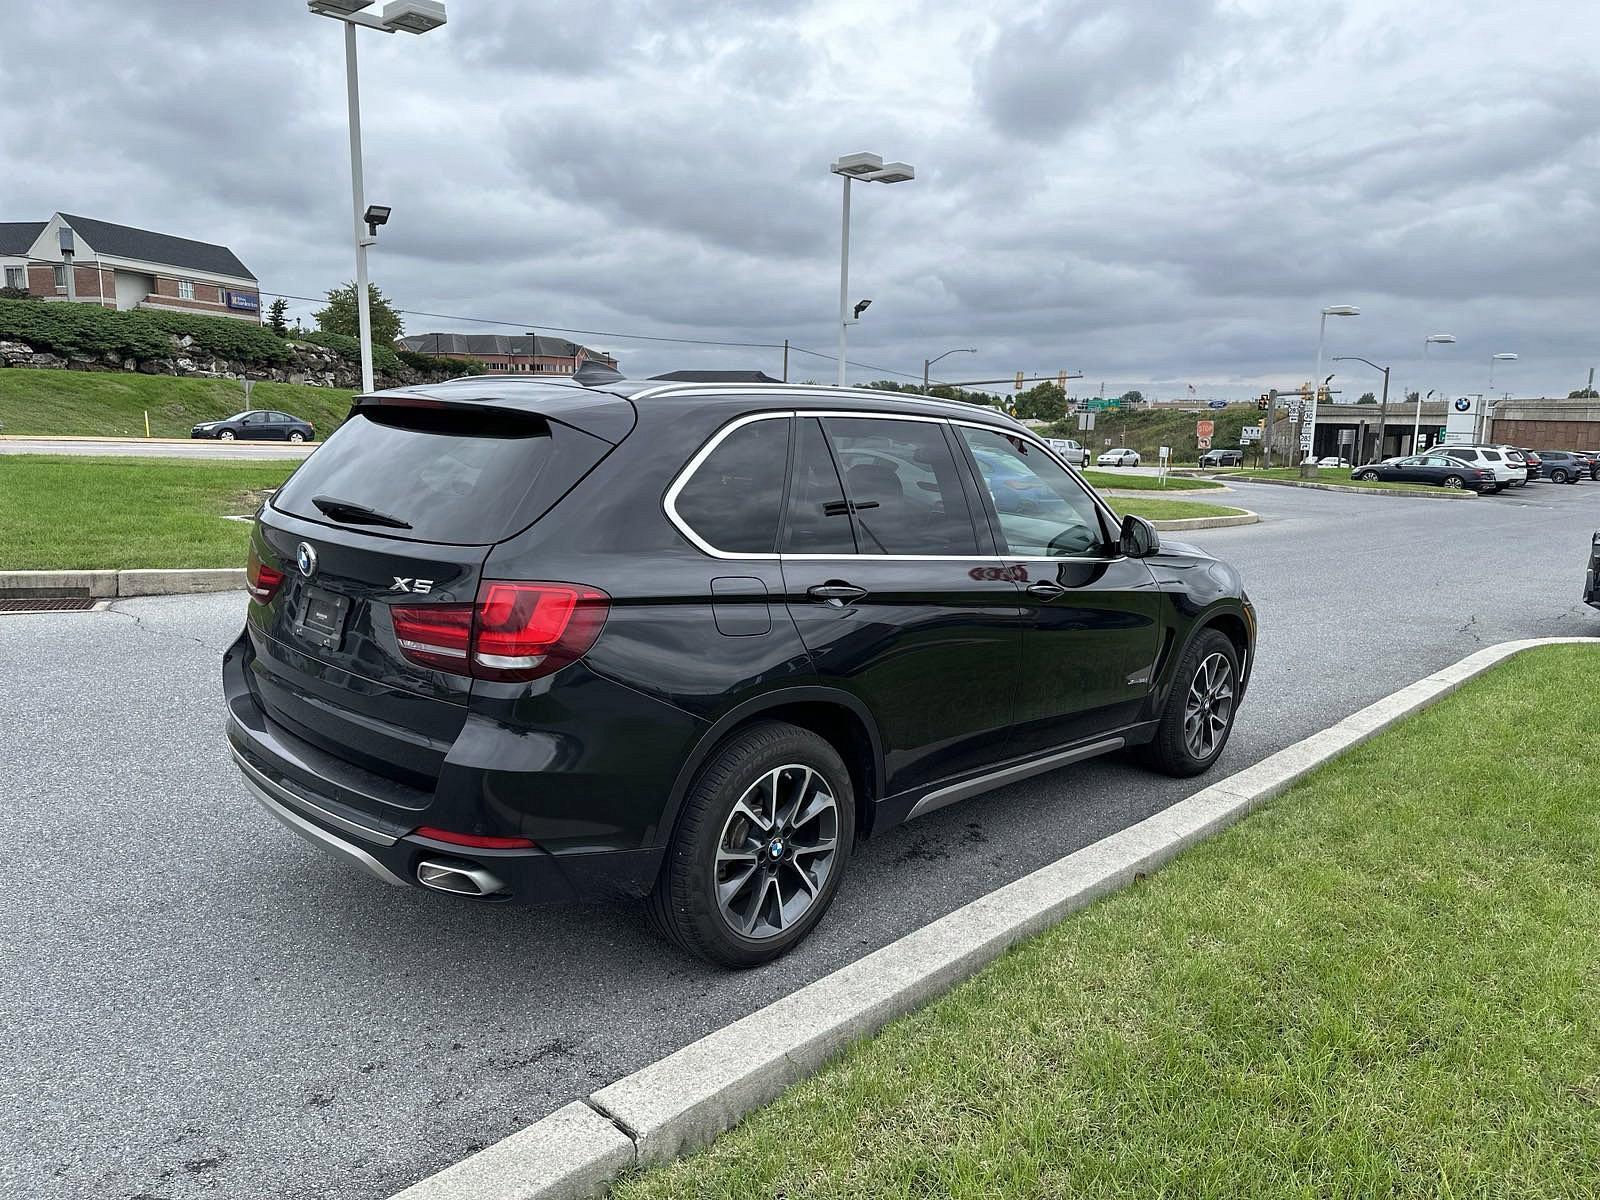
(1308, 436)
(1439, 339)
(871, 168)
(928, 362)
(411, 16)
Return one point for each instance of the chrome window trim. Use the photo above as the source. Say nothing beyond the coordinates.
(680, 481)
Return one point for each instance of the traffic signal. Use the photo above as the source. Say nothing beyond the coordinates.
(1061, 381)
(1264, 402)
(1019, 381)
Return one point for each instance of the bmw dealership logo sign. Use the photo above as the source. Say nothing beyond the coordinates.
(1463, 404)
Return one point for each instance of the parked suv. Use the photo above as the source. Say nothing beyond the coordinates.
(1492, 459)
(1070, 451)
(1222, 458)
(534, 641)
(1562, 466)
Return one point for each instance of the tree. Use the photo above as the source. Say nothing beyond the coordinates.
(276, 317)
(341, 316)
(1584, 394)
(1367, 398)
(1133, 397)
(1413, 397)
(1042, 402)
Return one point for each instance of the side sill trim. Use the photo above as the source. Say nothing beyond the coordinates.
(941, 797)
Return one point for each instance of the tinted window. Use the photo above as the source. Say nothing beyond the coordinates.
(903, 485)
(734, 499)
(1044, 512)
(280, 417)
(466, 478)
(819, 521)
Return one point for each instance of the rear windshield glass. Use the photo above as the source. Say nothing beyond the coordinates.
(461, 478)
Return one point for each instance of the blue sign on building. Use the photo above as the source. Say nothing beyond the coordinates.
(242, 300)
(1216, 404)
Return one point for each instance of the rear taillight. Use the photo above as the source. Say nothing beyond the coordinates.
(515, 631)
(260, 580)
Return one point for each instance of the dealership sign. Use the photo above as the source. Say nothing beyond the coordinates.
(245, 300)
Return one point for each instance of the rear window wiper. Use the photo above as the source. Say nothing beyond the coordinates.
(352, 513)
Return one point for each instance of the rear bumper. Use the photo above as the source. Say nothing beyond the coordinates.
(370, 822)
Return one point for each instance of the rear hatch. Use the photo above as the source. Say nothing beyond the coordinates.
(393, 515)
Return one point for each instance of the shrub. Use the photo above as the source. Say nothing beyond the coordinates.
(435, 365)
(142, 335)
(349, 349)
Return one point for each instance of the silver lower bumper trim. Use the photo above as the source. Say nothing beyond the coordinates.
(315, 833)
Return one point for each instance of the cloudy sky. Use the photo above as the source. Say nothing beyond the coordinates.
(1151, 192)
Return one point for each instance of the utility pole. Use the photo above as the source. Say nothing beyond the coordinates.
(786, 360)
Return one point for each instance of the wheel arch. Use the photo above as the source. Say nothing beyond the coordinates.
(838, 717)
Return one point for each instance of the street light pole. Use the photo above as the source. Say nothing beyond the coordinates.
(1442, 339)
(359, 206)
(1383, 405)
(858, 166)
(1489, 401)
(928, 362)
(844, 278)
(1308, 436)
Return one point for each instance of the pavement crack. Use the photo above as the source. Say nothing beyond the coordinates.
(146, 627)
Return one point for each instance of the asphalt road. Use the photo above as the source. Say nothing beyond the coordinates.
(195, 1003)
(138, 448)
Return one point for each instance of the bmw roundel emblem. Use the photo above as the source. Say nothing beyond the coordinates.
(305, 557)
(1463, 404)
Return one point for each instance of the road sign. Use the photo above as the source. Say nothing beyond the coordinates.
(1108, 441)
(1086, 422)
(1216, 404)
(1250, 433)
(1204, 429)
(1202, 443)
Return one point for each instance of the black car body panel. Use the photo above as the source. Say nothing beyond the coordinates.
(929, 671)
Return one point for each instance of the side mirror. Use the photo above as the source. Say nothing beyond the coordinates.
(1139, 538)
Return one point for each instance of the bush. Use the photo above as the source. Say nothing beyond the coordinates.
(89, 330)
(349, 349)
(435, 365)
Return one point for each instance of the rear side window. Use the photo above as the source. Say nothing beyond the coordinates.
(903, 486)
(734, 499)
(460, 477)
(1493, 455)
(819, 519)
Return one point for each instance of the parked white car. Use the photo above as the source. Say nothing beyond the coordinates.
(1120, 456)
(1333, 461)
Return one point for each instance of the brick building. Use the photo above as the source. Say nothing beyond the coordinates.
(118, 266)
(512, 353)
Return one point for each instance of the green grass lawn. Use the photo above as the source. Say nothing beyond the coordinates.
(60, 512)
(1340, 475)
(1147, 483)
(1154, 508)
(1385, 983)
(113, 404)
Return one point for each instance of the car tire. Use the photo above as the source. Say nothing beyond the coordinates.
(1558, 476)
(1454, 481)
(1174, 751)
(296, 436)
(728, 821)
(226, 435)
(1372, 477)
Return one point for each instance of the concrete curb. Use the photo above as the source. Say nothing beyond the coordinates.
(103, 584)
(685, 1100)
(1243, 517)
(1356, 489)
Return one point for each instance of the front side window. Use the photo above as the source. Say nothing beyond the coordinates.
(903, 486)
(734, 499)
(1044, 512)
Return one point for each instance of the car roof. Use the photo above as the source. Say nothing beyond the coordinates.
(608, 407)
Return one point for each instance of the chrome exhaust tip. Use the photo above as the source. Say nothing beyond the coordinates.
(459, 879)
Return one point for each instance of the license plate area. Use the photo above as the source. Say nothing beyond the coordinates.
(321, 618)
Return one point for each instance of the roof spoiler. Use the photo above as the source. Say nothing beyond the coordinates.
(593, 373)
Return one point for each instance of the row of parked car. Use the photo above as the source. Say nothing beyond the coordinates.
(1485, 469)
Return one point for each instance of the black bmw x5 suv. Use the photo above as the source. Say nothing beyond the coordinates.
(541, 641)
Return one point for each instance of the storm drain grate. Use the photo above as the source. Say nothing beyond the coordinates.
(49, 604)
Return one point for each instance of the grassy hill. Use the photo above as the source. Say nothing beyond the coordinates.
(108, 403)
(1148, 430)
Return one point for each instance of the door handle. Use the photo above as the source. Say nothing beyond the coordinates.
(836, 591)
(1046, 590)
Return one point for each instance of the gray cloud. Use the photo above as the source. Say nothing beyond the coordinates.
(1156, 192)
